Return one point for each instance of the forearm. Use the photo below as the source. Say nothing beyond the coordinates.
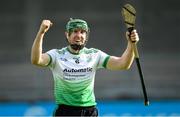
(36, 51)
(126, 60)
(128, 56)
(122, 62)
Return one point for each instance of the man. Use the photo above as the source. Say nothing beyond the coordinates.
(74, 67)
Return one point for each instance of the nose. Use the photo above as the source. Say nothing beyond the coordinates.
(78, 34)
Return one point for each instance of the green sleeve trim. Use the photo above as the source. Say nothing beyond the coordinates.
(49, 60)
(105, 61)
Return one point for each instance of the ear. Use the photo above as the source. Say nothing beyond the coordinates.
(67, 35)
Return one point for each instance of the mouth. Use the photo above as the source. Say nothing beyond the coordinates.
(77, 46)
(78, 42)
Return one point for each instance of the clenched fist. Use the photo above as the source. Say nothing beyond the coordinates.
(45, 25)
(133, 36)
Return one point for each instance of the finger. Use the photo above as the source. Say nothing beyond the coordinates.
(135, 38)
(127, 33)
(132, 36)
(48, 23)
(51, 24)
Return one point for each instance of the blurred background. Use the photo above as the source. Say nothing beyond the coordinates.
(157, 24)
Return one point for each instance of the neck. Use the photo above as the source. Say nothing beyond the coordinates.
(73, 51)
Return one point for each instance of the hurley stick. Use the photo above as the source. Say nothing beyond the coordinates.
(129, 16)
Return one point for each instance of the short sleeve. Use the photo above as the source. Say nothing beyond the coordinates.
(52, 55)
(103, 59)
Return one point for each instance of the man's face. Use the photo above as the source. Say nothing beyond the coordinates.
(78, 36)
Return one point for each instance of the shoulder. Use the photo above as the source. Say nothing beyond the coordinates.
(58, 51)
(62, 50)
(90, 50)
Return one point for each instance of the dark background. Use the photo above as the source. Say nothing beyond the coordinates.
(158, 24)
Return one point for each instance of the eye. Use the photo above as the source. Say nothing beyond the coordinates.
(83, 31)
(75, 31)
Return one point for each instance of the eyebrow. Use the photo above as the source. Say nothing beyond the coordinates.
(79, 30)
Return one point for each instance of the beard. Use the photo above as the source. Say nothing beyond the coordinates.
(77, 47)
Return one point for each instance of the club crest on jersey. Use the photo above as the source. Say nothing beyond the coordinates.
(76, 60)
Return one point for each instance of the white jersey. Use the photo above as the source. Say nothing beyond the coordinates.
(74, 75)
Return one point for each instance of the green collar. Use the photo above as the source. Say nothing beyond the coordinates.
(68, 49)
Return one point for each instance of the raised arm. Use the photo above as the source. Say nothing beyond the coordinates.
(124, 62)
(37, 57)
